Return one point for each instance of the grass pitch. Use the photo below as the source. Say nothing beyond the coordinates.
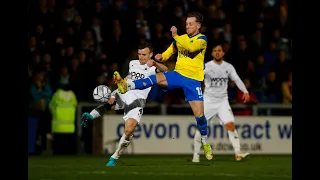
(158, 167)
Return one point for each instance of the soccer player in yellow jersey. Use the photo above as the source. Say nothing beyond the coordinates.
(188, 73)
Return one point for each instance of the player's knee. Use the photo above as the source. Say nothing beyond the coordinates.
(129, 131)
(161, 79)
(198, 111)
(197, 108)
(230, 126)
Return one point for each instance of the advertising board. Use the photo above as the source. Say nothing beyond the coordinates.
(174, 135)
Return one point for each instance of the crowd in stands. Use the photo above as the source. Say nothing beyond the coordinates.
(80, 43)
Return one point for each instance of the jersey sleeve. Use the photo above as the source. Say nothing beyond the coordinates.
(235, 77)
(198, 45)
(152, 70)
(168, 53)
(233, 74)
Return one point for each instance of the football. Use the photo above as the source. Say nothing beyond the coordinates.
(101, 94)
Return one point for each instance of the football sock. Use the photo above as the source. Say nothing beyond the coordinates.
(101, 109)
(204, 139)
(143, 83)
(235, 141)
(197, 143)
(203, 127)
(95, 114)
(123, 144)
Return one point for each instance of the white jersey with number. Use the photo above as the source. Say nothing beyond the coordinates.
(216, 91)
(216, 79)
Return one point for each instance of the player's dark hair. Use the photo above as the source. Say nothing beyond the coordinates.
(198, 16)
(146, 45)
(216, 45)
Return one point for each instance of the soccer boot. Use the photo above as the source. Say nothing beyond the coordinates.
(207, 151)
(84, 118)
(112, 162)
(241, 156)
(196, 158)
(122, 84)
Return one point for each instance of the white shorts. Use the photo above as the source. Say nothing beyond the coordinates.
(121, 103)
(135, 113)
(221, 109)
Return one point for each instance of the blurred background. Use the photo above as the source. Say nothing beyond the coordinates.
(75, 45)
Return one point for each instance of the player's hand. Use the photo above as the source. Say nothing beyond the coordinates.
(158, 57)
(151, 63)
(174, 31)
(111, 100)
(245, 97)
(84, 118)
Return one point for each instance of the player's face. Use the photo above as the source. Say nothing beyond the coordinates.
(217, 53)
(192, 26)
(144, 55)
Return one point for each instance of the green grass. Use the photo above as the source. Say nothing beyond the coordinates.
(158, 167)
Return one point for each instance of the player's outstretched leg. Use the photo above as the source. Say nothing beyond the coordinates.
(125, 86)
(124, 142)
(122, 84)
(235, 141)
(203, 127)
(196, 147)
(143, 83)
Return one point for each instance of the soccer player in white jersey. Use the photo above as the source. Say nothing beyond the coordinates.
(217, 74)
(133, 101)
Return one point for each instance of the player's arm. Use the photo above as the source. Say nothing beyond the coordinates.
(286, 91)
(197, 46)
(169, 52)
(235, 77)
(160, 67)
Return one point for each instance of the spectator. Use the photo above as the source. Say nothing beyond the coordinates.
(40, 91)
(287, 90)
(272, 93)
(282, 66)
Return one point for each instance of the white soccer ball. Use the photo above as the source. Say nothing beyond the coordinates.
(101, 94)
